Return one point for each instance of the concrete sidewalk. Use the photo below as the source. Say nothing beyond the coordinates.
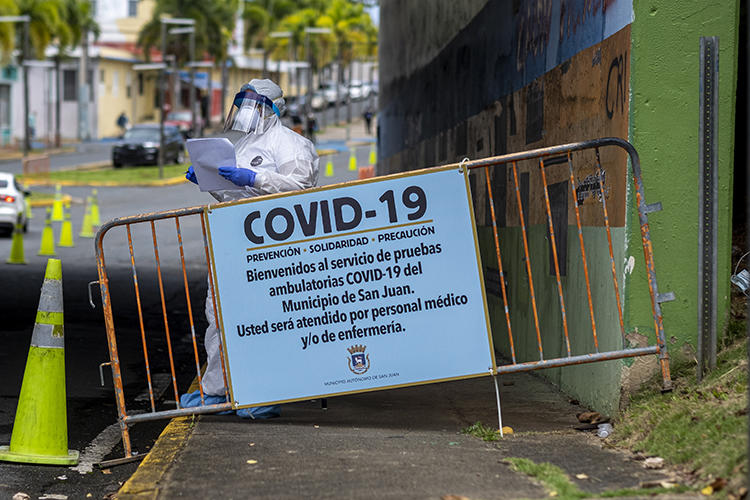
(402, 443)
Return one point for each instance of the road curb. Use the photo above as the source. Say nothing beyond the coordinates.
(144, 483)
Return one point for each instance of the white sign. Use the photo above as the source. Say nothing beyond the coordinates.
(373, 284)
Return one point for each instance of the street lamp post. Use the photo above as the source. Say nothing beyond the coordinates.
(25, 54)
(163, 82)
(308, 54)
(290, 36)
(189, 31)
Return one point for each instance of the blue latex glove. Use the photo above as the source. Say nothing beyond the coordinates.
(190, 175)
(240, 176)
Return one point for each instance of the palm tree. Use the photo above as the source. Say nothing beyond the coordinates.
(7, 31)
(260, 19)
(350, 25)
(44, 23)
(78, 21)
(214, 24)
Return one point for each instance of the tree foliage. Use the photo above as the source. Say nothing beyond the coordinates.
(214, 24)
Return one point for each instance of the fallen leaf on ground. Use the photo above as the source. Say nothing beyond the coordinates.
(553, 493)
(507, 430)
(251, 444)
(589, 417)
(708, 491)
(718, 483)
(251, 461)
(106, 471)
(454, 497)
(581, 476)
(653, 463)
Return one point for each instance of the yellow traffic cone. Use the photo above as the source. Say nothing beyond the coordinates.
(16, 248)
(57, 205)
(95, 221)
(86, 230)
(66, 230)
(329, 168)
(40, 430)
(373, 155)
(352, 159)
(47, 246)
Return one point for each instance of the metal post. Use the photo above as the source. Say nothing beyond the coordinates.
(292, 76)
(162, 97)
(308, 99)
(83, 89)
(26, 138)
(349, 97)
(192, 85)
(338, 84)
(708, 215)
(224, 82)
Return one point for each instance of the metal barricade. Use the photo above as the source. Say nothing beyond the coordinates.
(553, 157)
(547, 158)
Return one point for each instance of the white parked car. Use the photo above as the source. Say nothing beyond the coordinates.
(359, 90)
(12, 203)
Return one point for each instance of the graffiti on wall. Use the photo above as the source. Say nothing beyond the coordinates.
(616, 86)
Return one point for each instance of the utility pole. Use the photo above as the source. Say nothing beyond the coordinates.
(308, 54)
(163, 82)
(26, 138)
(193, 125)
(162, 96)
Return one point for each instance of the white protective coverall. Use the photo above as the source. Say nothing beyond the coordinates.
(288, 162)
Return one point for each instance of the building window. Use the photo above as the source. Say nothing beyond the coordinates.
(132, 8)
(115, 83)
(128, 85)
(70, 85)
(140, 83)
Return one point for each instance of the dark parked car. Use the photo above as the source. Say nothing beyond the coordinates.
(140, 146)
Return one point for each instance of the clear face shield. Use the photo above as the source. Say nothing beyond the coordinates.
(251, 113)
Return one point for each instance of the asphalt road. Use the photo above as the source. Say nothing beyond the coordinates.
(92, 412)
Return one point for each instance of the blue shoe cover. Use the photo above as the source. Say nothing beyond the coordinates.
(193, 399)
(260, 412)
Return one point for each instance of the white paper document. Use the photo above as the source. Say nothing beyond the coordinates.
(207, 155)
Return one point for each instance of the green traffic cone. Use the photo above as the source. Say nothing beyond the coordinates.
(47, 246)
(86, 230)
(329, 168)
(40, 429)
(57, 206)
(95, 221)
(66, 230)
(352, 159)
(16, 248)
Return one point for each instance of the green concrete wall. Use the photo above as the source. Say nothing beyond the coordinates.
(594, 384)
(664, 129)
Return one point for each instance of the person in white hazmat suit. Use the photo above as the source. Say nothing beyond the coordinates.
(271, 158)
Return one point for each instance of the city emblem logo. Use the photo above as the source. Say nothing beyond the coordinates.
(359, 362)
(256, 161)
